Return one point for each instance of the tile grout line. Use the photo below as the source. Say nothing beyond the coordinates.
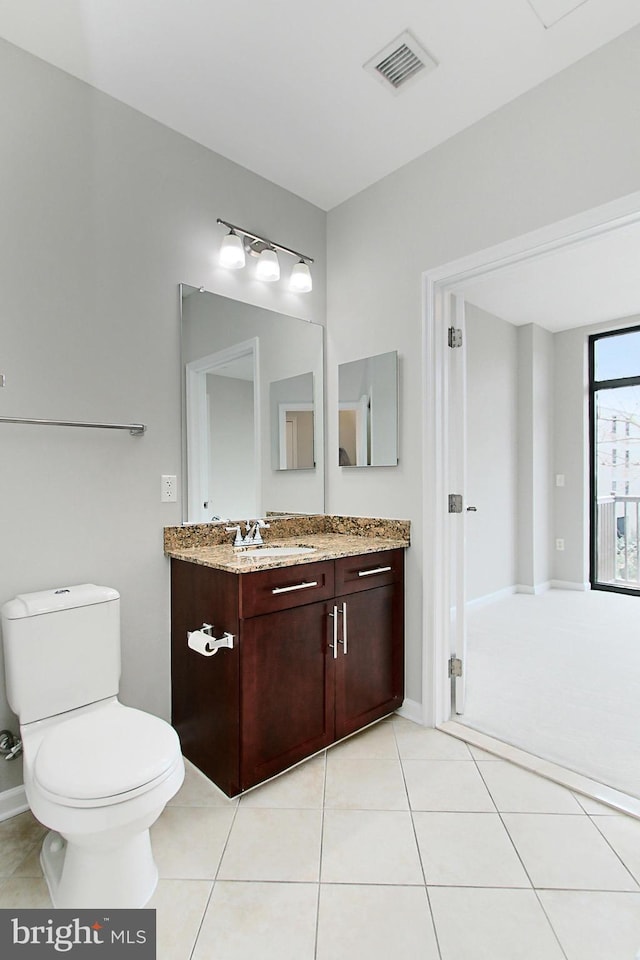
(322, 810)
(415, 837)
(615, 852)
(517, 852)
(214, 881)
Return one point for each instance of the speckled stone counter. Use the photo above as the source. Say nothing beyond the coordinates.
(330, 537)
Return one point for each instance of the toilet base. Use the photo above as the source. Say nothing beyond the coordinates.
(81, 874)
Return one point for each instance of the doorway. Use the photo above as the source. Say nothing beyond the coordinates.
(548, 567)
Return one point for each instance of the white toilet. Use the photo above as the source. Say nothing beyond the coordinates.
(96, 772)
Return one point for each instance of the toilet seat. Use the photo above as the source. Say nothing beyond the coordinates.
(107, 756)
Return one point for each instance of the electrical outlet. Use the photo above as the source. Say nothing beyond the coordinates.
(559, 479)
(559, 543)
(168, 489)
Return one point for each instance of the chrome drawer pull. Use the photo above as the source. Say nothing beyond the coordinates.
(370, 573)
(296, 586)
(344, 626)
(334, 645)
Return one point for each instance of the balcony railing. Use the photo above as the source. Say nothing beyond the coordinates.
(618, 523)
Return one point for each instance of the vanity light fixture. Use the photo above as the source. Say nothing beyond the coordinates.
(268, 265)
(232, 252)
(301, 277)
(240, 241)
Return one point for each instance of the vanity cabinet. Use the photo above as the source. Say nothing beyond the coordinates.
(318, 654)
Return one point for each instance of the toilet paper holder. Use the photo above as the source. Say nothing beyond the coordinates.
(203, 641)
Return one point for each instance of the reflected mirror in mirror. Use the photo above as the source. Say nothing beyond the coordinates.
(232, 353)
(292, 423)
(368, 412)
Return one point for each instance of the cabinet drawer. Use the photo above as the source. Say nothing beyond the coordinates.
(368, 570)
(279, 589)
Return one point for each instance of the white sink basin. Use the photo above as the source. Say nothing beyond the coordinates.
(280, 551)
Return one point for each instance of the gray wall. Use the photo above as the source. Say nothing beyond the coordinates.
(567, 146)
(535, 457)
(104, 213)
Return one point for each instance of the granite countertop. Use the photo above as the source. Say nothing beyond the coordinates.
(332, 537)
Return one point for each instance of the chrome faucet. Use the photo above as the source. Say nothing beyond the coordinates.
(253, 535)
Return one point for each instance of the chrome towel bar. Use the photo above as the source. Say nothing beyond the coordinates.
(135, 429)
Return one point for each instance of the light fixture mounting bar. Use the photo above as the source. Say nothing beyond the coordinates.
(254, 236)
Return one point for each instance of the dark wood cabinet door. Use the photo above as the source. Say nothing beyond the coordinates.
(369, 679)
(287, 682)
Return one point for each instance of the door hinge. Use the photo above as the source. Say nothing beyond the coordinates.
(455, 667)
(455, 337)
(455, 503)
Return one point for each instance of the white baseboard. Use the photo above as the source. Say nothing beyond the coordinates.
(13, 802)
(491, 597)
(411, 710)
(535, 589)
(569, 585)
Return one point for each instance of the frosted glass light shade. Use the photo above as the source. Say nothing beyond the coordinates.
(232, 252)
(268, 266)
(300, 280)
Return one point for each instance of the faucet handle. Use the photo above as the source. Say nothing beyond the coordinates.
(255, 536)
(238, 540)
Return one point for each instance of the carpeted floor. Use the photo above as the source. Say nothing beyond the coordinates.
(558, 675)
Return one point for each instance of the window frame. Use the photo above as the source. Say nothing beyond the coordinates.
(594, 387)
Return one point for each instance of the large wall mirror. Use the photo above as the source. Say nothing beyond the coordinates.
(253, 422)
(368, 412)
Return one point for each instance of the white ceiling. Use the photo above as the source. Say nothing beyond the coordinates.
(278, 86)
(592, 281)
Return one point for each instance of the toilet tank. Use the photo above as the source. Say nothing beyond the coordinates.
(61, 649)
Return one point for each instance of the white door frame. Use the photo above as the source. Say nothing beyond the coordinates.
(197, 421)
(437, 285)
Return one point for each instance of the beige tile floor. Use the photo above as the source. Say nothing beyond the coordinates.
(400, 842)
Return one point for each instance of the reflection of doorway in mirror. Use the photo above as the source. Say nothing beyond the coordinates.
(296, 436)
(353, 433)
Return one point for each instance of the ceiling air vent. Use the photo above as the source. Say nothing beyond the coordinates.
(401, 61)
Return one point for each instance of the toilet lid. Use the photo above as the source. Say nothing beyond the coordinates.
(105, 752)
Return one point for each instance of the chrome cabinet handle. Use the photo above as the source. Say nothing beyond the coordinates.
(370, 573)
(296, 586)
(344, 626)
(334, 645)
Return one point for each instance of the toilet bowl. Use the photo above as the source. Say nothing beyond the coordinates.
(99, 773)
(99, 777)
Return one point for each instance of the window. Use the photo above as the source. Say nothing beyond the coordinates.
(614, 397)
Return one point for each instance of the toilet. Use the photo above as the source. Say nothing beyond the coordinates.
(96, 772)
